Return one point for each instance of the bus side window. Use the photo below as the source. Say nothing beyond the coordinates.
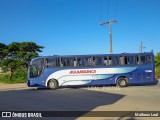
(57, 62)
(115, 60)
(110, 60)
(50, 63)
(148, 59)
(137, 60)
(94, 61)
(122, 60)
(79, 61)
(61, 62)
(86, 61)
(105, 61)
(91, 61)
(71, 62)
(46, 63)
(126, 61)
(75, 62)
(65, 62)
(40, 66)
(99, 61)
(143, 60)
(83, 62)
(131, 60)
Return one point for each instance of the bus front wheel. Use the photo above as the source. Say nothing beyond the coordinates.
(52, 84)
(122, 82)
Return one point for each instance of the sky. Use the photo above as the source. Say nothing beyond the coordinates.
(70, 27)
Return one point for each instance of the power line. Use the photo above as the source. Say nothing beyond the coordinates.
(116, 10)
(108, 10)
(101, 2)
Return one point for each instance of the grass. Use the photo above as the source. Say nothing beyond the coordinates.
(18, 77)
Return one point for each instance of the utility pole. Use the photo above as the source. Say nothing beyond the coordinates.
(141, 47)
(110, 31)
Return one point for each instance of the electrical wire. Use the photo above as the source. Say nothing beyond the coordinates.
(101, 2)
(116, 10)
(108, 10)
(108, 2)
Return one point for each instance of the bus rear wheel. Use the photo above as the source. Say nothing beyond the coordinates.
(122, 82)
(52, 84)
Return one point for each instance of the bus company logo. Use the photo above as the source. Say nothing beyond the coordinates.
(6, 114)
(82, 71)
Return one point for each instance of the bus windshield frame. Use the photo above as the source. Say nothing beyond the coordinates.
(36, 68)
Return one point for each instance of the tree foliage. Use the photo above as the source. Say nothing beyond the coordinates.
(157, 59)
(18, 54)
(11, 64)
(157, 64)
(3, 52)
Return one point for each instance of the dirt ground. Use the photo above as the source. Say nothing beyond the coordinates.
(13, 86)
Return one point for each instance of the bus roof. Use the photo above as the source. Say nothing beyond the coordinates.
(94, 55)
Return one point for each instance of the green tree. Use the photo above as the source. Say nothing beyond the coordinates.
(157, 64)
(3, 48)
(24, 50)
(11, 64)
(18, 54)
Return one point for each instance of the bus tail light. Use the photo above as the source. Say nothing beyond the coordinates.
(148, 75)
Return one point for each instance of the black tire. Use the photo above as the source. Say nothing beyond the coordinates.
(52, 84)
(122, 82)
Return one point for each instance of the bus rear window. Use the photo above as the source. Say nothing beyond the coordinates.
(148, 59)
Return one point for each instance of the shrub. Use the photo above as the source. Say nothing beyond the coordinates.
(18, 77)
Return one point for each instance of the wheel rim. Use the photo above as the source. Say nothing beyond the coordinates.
(122, 83)
(52, 84)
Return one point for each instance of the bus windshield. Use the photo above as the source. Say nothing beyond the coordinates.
(36, 68)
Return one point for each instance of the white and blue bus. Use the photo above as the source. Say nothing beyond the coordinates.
(102, 69)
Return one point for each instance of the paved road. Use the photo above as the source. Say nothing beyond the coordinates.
(132, 98)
